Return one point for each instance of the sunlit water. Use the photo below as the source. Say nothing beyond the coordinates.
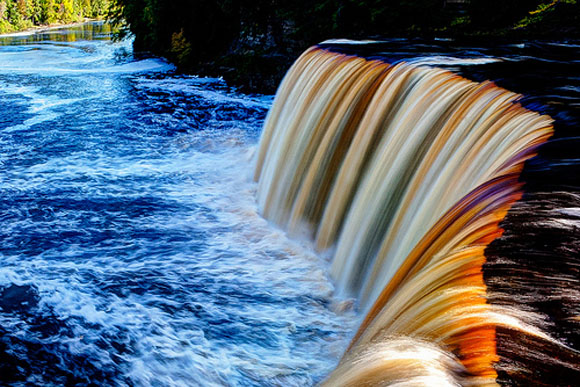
(131, 251)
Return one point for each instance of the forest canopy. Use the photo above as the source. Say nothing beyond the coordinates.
(193, 31)
(16, 15)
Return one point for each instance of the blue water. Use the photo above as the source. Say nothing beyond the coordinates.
(131, 251)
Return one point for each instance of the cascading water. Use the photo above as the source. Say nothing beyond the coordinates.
(132, 252)
(402, 175)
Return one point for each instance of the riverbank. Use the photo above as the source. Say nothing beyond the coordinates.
(49, 27)
(252, 46)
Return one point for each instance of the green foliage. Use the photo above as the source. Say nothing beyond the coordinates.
(180, 47)
(208, 26)
(21, 14)
(198, 34)
(546, 11)
(49, 13)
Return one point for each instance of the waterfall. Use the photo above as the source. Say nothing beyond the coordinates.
(402, 175)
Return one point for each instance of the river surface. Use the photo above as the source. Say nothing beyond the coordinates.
(131, 251)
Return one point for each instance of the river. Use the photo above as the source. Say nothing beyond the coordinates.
(131, 250)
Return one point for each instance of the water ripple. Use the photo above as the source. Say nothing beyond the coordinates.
(131, 249)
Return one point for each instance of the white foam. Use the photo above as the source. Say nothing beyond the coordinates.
(197, 86)
(351, 42)
(146, 65)
(76, 58)
(440, 60)
(201, 182)
(170, 349)
(40, 106)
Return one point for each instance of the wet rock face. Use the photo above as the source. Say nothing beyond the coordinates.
(257, 58)
(18, 299)
(535, 267)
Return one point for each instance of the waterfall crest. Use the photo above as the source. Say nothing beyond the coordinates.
(402, 174)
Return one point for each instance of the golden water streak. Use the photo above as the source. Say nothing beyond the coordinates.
(403, 173)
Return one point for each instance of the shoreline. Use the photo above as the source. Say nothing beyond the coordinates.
(49, 27)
